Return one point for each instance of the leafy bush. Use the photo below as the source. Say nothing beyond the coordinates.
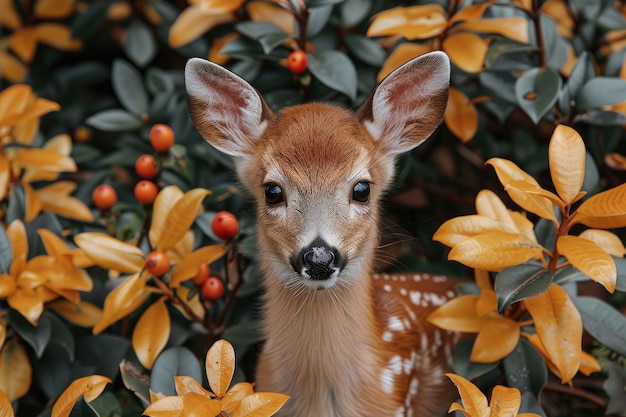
(537, 82)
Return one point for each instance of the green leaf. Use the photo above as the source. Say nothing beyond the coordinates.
(37, 337)
(525, 369)
(170, 363)
(128, 86)
(53, 370)
(537, 91)
(365, 49)
(83, 409)
(614, 387)
(159, 81)
(354, 11)
(601, 91)
(466, 368)
(519, 282)
(103, 353)
(602, 118)
(592, 176)
(583, 71)
(311, 4)
(620, 264)
(139, 43)
(318, 19)
(62, 336)
(135, 381)
(114, 120)
(335, 70)
(603, 322)
(90, 20)
(266, 34)
(6, 253)
(569, 275)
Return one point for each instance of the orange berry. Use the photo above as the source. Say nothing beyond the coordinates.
(82, 134)
(146, 191)
(104, 196)
(203, 274)
(146, 166)
(297, 61)
(212, 289)
(157, 263)
(161, 137)
(225, 225)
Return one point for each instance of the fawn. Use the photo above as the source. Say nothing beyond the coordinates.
(340, 340)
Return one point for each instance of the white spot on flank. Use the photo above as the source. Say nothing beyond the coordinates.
(387, 336)
(386, 381)
(416, 297)
(400, 412)
(417, 278)
(395, 325)
(403, 292)
(387, 287)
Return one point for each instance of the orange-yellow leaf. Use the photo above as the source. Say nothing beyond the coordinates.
(55, 198)
(515, 28)
(15, 370)
(482, 279)
(32, 203)
(90, 387)
(82, 314)
(123, 300)
(487, 303)
(165, 407)
(3, 332)
(494, 251)
(413, 22)
(58, 36)
(28, 303)
(14, 101)
(494, 327)
(198, 405)
(608, 241)
(6, 409)
(524, 226)
(466, 50)
(180, 218)
(505, 401)
(149, 339)
(566, 154)
(523, 189)
(261, 11)
(5, 171)
(458, 315)
(589, 259)
(220, 366)
(163, 204)
(9, 17)
(11, 68)
(193, 302)
(232, 399)
(190, 265)
(109, 252)
(461, 116)
(261, 404)
(472, 12)
(474, 401)
(605, 210)
(589, 364)
(24, 43)
(53, 9)
(457, 229)
(16, 232)
(194, 21)
(489, 204)
(56, 273)
(559, 328)
(402, 54)
(186, 384)
(215, 53)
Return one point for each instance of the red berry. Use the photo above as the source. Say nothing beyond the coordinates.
(161, 137)
(297, 61)
(104, 197)
(212, 289)
(146, 191)
(203, 274)
(225, 225)
(146, 166)
(157, 263)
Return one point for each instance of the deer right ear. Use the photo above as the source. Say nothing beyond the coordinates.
(227, 111)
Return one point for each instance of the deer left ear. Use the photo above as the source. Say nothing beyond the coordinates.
(408, 105)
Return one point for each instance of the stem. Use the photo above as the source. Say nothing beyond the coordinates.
(233, 261)
(562, 231)
(536, 17)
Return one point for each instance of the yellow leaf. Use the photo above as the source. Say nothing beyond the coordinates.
(457, 229)
(165, 407)
(566, 155)
(482, 279)
(215, 53)
(28, 303)
(24, 43)
(402, 54)
(413, 22)
(32, 203)
(57, 273)
(165, 200)
(559, 328)
(198, 405)
(11, 68)
(82, 314)
(109, 252)
(487, 303)
(14, 101)
(494, 251)
(608, 241)
(15, 370)
(55, 246)
(515, 28)
(6, 409)
(194, 21)
(467, 51)
(58, 36)
(261, 11)
(180, 218)
(232, 399)
(489, 204)
(9, 17)
(183, 248)
(472, 12)
(53, 9)
(589, 259)
(461, 116)
(16, 232)
(524, 226)
(494, 327)
(220, 366)
(589, 364)
(523, 189)
(90, 387)
(55, 198)
(194, 303)
(150, 339)
(261, 404)
(505, 401)
(186, 384)
(605, 210)
(123, 300)
(474, 401)
(190, 265)
(458, 315)
(5, 175)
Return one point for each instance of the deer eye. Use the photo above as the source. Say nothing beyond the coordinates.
(273, 194)
(361, 192)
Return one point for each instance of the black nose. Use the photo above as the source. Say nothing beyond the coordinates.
(318, 261)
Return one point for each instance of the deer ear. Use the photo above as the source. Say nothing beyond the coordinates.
(227, 111)
(408, 105)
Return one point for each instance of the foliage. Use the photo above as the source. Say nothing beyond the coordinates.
(537, 82)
